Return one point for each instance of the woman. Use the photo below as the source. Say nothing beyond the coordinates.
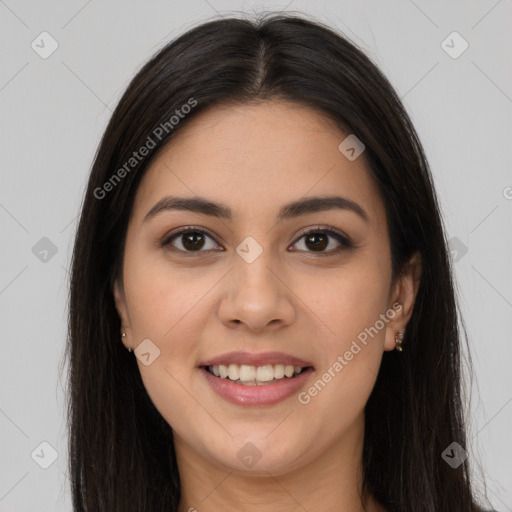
(262, 313)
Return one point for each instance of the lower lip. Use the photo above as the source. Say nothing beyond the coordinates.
(269, 394)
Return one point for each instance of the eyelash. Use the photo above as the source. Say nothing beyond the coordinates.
(344, 241)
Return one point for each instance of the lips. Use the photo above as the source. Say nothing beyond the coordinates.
(257, 393)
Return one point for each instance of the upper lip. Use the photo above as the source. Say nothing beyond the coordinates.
(255, 359)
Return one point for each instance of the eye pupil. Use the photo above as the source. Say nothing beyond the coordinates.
(193, 240)
(313, 242)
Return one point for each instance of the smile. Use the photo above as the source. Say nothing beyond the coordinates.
(256, 378)
(255, 375)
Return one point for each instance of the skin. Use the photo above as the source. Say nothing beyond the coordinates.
(197, 305)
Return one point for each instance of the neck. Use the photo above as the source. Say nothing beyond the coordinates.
(331, 482)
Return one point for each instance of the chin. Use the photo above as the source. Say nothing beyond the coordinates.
(260, 457)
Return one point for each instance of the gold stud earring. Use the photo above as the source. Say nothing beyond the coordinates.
(399, 338)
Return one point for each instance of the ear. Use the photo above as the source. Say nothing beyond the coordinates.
(402, 299)
(122, 311)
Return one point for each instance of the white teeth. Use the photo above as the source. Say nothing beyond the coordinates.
(223, 371)
(265, 373)
(254, 375)
(233, 372)
(278, 371)
(247, 373)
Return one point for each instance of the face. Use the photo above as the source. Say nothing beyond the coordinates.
(306, 286)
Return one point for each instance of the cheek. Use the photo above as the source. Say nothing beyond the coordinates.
(170, 308)
(350, 300)
(162, 297)
(349, 307)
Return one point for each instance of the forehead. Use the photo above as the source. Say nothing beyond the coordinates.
(257, 157)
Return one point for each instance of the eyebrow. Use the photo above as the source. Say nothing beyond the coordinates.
(295, 209)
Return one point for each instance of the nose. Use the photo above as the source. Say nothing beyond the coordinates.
(256, 296)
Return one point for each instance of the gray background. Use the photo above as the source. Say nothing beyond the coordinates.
(54, 111)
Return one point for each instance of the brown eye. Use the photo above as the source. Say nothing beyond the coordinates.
(316, 241)
(190, 240)
(319, 240)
